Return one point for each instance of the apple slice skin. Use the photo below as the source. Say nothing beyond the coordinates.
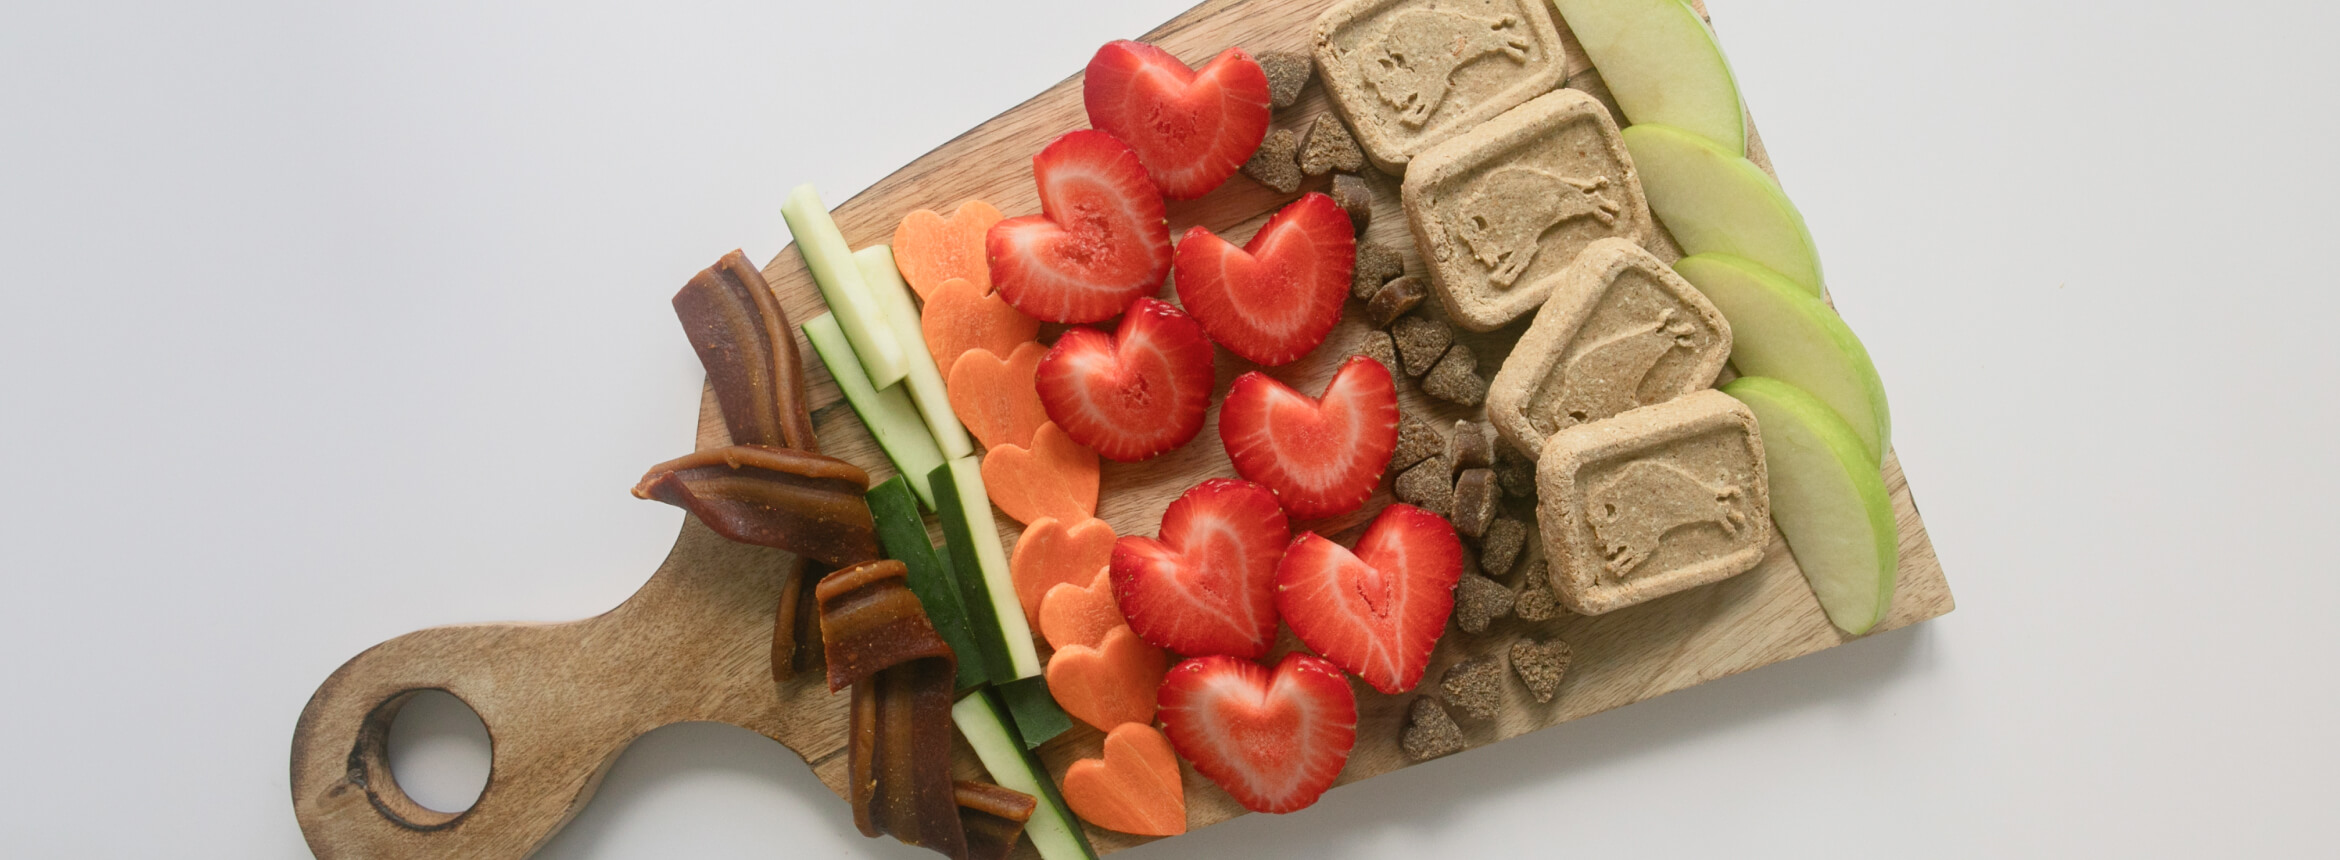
(1829, 502)
(1663, 64)
(1780, 331)
(1714, 201)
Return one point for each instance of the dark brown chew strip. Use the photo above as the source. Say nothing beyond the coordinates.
(746, 344)
(899, 756)
(784, 619)
(993, 817)
(870, 620)
(805, 503)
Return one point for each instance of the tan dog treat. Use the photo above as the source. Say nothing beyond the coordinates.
(1499, 547)
(1421, 341)
(1540, 666)
(1479, 601)
(1394, 299)
(1355, 196)
(1328, 147)
(1475, 686)
(1379, 347)
(1536, 601)
(1430, 733)
(1514, 470)
(1468, 448)
(1408, 74)
(1652, 502)
(1286, 72)
(1428, 485)
(1417, 441)
(1376, 264)
(1621, 331)
(1275, 164)
(1500, 212)
(1476, 501)
(1455, 379)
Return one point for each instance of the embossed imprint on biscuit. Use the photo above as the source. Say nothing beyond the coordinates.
(1606, 378)
(1634, 510)
(1507, 213)
(1410, 60)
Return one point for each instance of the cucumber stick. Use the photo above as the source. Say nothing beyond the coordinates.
(925, 380)
(903, 534)
(1037, 717)
(831, 262)
(982, 567)
(888, 412)
(1053, 830)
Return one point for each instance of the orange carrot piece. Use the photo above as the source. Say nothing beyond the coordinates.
(931, 249)
(959, 317)
(1074, 614)
(1053, 552)
(1134, 788)
(1112, 683)
(1056, 477)
(996, 398)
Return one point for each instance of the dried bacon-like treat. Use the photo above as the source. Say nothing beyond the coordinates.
(870, 620)
(749, 350)
(805, 503)
(898, 756)
(993, 817)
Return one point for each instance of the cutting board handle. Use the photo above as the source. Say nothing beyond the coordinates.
(560, 702)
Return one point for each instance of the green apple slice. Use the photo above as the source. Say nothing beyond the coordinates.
(1715, 201)
(1780, 331)
(1663, 64)
(1829, 501)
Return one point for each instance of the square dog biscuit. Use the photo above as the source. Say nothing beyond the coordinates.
(1501, 211)
(1621, 331)
(1407, 74)
(1655, 501)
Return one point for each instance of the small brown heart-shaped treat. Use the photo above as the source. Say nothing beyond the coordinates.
(1540, 665)
(1475, 686)
(1499, 547)
(1430, 733)
(1276, 163)
(1479, 600)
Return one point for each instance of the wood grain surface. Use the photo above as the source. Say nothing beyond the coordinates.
(561, 701)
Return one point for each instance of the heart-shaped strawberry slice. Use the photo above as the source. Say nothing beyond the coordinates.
(1101, 239)
(1273, 740)
(1135, 393)
(1322, 456)
(1378, 611)
(1207, 585)
(1192, 128)
(1275, 298)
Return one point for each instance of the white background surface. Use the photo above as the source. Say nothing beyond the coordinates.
(320, 323)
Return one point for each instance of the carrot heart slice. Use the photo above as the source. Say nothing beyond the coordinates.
(1055, 552)
(960, 317)
(1134, 788)
(1112, 683)
(1056, 477)
(1073, 614)
(995, 397)
(931, 249)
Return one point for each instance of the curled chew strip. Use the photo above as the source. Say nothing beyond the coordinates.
(993, 818)
(749, 350)
(870, 620)
(898, 747)
(784, 615)
(898, 756)
(805, 503)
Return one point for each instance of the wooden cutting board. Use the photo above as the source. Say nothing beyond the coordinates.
(561, 701)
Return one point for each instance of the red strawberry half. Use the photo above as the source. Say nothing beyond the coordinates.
(1207, 586)
(1274, 740)
(1322, 456)
(1135, 393)
(1376, 612)
(1192, 128)
(1273, 299)
(1101, 239)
